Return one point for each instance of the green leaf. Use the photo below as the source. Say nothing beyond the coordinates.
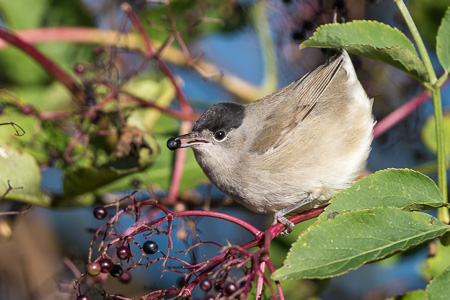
(351, 239)
(443, 42)
(400, 188)
(439, 287)
(40, 139)
(428, 134)
(373, 40)
(135, 152)
(18, 67)
(23, 174)
(160, 92)
(413, 295)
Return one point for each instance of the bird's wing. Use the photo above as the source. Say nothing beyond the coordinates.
(298, 100)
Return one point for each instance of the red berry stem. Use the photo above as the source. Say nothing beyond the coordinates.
(52, 68)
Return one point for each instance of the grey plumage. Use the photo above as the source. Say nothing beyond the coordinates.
(299, 144)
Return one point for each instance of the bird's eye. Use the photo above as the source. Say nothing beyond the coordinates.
(219, 135)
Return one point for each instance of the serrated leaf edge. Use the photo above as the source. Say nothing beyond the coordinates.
(412, 49)
(356, 267)
(366, 178)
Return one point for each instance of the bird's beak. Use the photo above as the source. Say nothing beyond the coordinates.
(196, 140)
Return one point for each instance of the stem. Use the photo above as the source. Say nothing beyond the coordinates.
(166, 110)
(186, 109)
(191, 213)
(276, 229)
(180, 158)
(263, 32)
(442, 81)
(405, 110)
(443, 213)
(134, 42)
(151, 53)
(400, 113)
(52, 68)
(418, 39)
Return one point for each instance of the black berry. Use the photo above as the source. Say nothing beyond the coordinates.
(298, 35)
(97, 117)
(123, 252)
(150, 247)
(181, 281)
(116, 271)
(218, 286)
(173, 144)
(206, 285)
(209, 297)
(93, 268)
(136, 183)
(307, 25)
(100, 212)
(230, 288)
(125, 277)
(106, 265)
(83, 297)
(339, 4)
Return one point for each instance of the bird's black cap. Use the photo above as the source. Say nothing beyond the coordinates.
(221, 116)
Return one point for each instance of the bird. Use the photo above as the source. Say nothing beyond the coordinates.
(291, 150)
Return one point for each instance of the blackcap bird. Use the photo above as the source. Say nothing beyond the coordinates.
(291, 150)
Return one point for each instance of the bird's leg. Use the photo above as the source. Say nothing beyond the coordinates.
(279, 216)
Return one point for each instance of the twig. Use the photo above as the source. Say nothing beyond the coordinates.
(186, 109)
(52, 68)
(15, 126)
(218, 267)
(403, 111)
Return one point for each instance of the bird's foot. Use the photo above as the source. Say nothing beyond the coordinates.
(288, 224)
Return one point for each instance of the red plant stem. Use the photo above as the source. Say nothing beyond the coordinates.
(53, 115)
(215, 261)
(276, 229)
(167, 110)
(78, 136)
(151, 53)
(191, 213)
(268, 235)
(72, 267)
(61, 34)
(262, 265)
(52, 68)
(180, 157)
(186, 109)
(277, 283)
(402, 112)
(260, 282)
(267, 238)
(170, 216)
(260, 258)
(271, 232)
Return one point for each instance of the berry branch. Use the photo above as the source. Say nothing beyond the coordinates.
(51, 67)
(131, 254)
(15, 127)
